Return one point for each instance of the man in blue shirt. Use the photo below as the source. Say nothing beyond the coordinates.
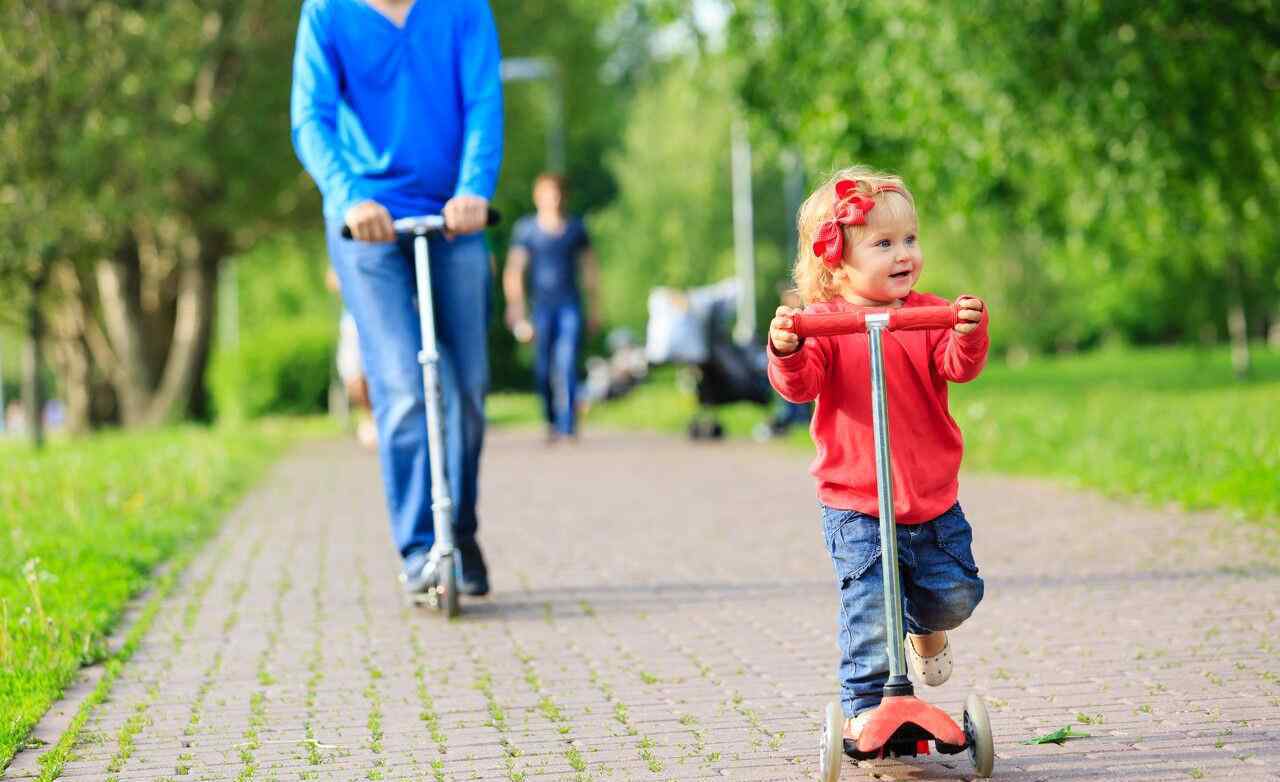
(397, 111)
(553, 247)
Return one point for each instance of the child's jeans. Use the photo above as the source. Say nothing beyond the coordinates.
(940, 589)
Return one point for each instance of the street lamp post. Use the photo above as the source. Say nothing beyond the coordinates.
(743, 234)
(543, 69)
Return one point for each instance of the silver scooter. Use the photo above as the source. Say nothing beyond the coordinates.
(443, 596)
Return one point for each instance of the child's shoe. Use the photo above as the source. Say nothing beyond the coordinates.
(853, 725)
(932, 670)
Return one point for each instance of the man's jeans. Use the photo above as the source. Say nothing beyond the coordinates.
(558, 330)
(940, 589)
(379, 288)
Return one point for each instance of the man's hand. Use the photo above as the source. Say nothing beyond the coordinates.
(781, 332)
(370, 221)
(969, 311)
(358, 391)
(466, 214)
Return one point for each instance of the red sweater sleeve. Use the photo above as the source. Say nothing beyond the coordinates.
(799, 377)
(960, 357)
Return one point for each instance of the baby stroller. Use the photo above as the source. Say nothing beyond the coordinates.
(692, 328)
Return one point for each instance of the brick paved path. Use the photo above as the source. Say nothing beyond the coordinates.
(665, 611)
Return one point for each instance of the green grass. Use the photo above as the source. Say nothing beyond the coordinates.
(1168, 425)
(1165, 425)
(84, 524)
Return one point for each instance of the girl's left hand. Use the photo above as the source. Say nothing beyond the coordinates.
(969, 312)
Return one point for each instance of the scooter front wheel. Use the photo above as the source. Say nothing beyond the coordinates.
(448, 588)
(977, 733)
(831, 745)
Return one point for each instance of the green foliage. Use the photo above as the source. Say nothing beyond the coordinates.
(1089, 167)
(282, 279)
(284, 368)
(84, 526)
(672, 222)
(287, 322)
(1059, 736)
(169, 113)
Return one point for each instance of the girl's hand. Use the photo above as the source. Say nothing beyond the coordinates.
(781, 332)
(969, 311)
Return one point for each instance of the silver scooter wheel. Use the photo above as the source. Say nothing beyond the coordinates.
(831, 745)
(449, 588)
(977, 732)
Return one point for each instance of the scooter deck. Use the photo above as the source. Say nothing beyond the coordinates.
(903, 725)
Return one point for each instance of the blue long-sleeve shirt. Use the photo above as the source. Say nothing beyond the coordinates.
(406, 116)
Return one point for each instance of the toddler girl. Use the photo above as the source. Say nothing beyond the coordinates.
(859, 248)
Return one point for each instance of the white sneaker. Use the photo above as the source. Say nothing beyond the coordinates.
(932, 670)
(853, 725)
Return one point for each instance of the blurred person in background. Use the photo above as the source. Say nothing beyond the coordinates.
(554, 250)
(351, 371)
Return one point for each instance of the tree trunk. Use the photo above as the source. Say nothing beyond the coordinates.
(33, 365)
(1237, 323)
(71, 360)
(192, 330)
(122, 317)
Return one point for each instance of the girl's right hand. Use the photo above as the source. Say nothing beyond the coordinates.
(782, 333)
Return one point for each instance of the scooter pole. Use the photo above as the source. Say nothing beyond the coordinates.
(429, 358)
(898, 684)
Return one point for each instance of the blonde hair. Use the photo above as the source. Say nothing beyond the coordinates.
(814, 279)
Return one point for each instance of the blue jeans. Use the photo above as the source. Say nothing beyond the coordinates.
(379, 288)
(940, 589)
(558, 330)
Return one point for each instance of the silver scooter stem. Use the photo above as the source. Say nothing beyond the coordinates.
(877, 323)
(429, 357)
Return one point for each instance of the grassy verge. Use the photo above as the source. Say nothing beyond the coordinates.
(1168, 425)
(85, 523)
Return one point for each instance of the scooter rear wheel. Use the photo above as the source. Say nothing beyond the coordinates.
(831, 745)
(977, 732)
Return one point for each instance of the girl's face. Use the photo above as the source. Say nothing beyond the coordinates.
(883, 266)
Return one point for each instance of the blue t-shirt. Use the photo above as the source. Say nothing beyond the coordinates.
(406, 116)
(553, 259)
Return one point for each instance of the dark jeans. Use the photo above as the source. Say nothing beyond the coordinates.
(557, 332)
(940, 589)
(379, 288)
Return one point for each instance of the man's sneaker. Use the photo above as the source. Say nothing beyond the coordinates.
(420, 571)
(475, 575)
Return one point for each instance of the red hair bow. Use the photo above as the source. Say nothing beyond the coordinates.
(849, 209)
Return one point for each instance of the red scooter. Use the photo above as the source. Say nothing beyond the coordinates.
(902, 724)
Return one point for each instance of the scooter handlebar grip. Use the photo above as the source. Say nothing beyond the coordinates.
(829, 324)
(494, 217)
(836, 323)
(923, 318)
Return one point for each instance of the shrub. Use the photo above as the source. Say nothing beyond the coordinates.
(284, 368)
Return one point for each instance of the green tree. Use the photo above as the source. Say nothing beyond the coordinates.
(672, 222)
(148, 140)
(1091, 167)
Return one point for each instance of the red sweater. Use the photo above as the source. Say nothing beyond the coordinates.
(924, 439)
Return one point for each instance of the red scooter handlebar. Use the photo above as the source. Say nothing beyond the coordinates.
(836, 323)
